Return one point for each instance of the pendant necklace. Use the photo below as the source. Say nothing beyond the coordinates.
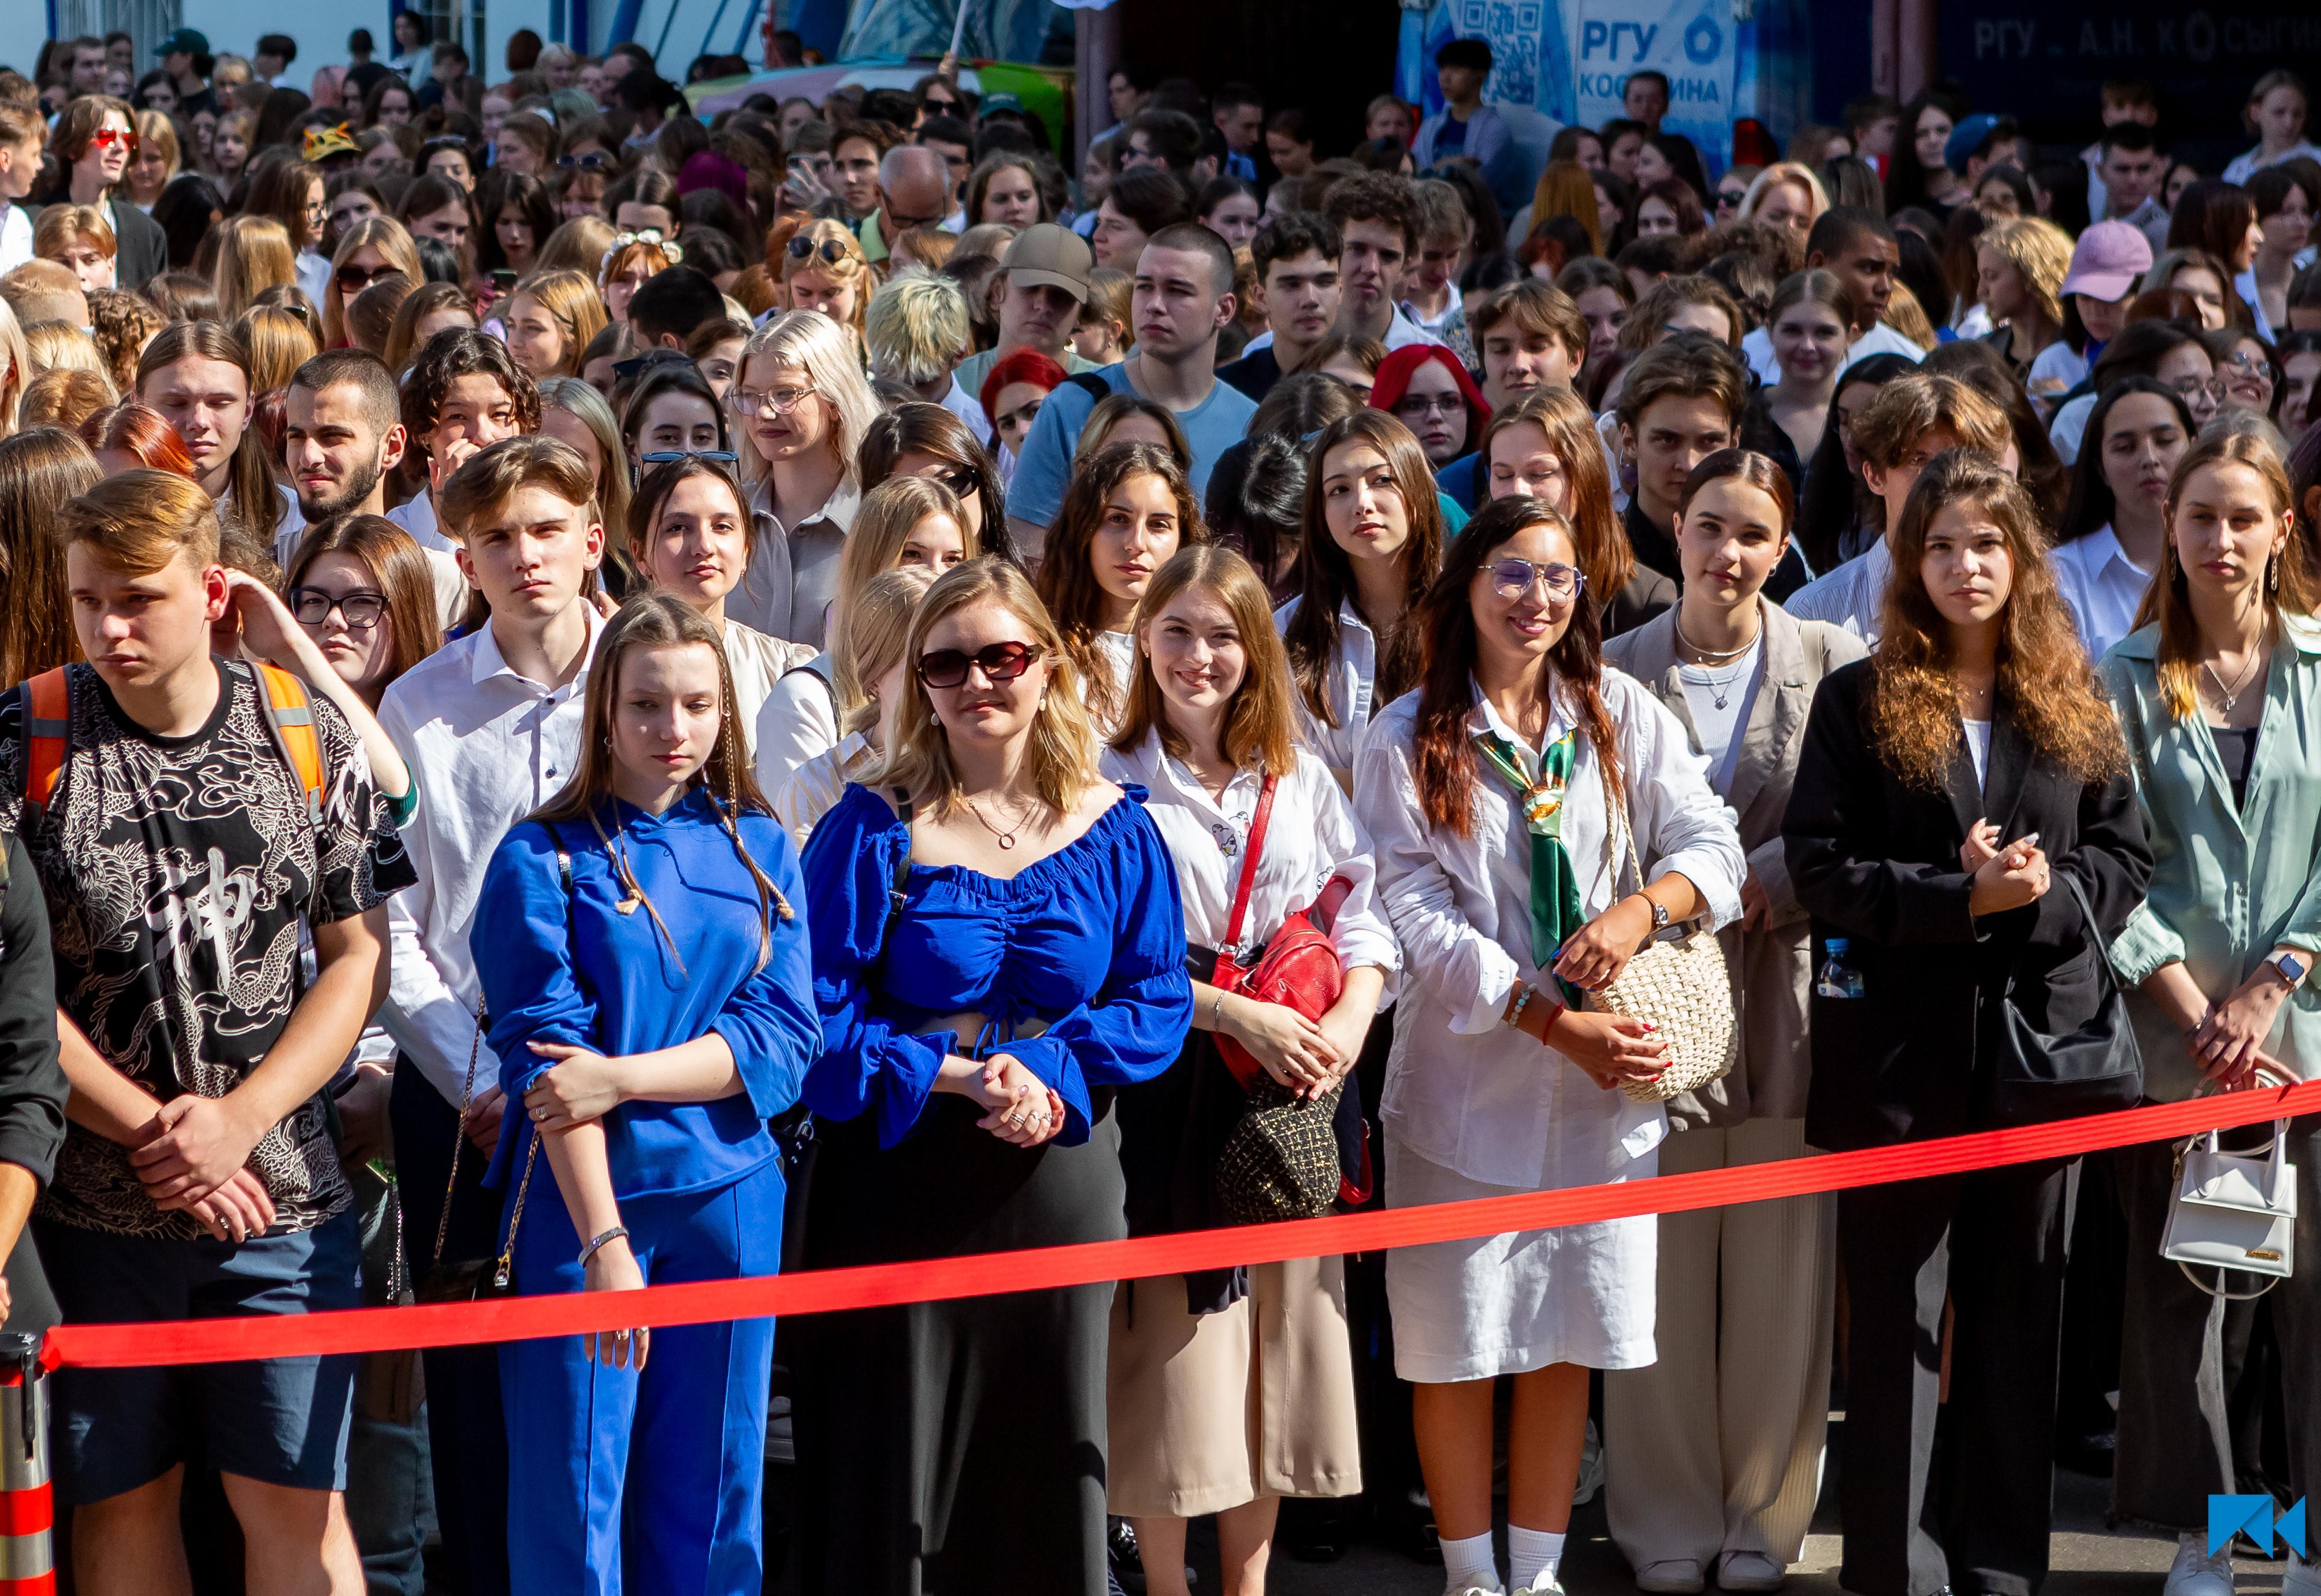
(2231, 694)
(1007, 837)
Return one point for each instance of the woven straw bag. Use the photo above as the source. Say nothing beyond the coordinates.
(1680, 984)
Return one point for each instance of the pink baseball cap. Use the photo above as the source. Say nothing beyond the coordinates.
(2109, 259)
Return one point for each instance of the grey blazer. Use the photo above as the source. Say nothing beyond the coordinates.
(1772, 968)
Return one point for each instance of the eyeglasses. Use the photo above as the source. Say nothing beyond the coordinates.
(1411, 406)
(2192, 387)
(354, 279)
(1000, 661)
(105, 138)
(360, 609)
(782, 401)
(1512, 578)
(595, 161)
(663, 457)
(802, 248)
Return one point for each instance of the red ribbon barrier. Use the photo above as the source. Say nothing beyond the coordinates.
(932, 1279)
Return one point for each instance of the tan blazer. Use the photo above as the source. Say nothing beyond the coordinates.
(1772, 968)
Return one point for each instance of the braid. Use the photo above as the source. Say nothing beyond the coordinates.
(620, 858)
(770, 901)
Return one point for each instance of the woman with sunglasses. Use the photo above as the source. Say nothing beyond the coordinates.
(689, 533)
(368, 252)
(997, 947)
(672, 413)
(822, 269)
(923, 439)
(1506, 924)
(905, 524)
(1715, 1462)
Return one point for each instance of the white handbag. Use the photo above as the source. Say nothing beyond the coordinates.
(2234, 1211)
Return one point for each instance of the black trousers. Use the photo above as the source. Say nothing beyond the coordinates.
(1976, 1518)
(466, 1431)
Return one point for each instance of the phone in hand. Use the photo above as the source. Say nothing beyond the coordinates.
(503, 278)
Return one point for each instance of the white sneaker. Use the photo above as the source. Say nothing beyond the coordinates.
(1552, 1587)
(2197, 1573)
(1677, 1576)
(1473, 1590)
(1750, 1570)
(1592, 1470)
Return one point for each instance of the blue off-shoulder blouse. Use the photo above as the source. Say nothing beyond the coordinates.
(570, 967)
(1089, 939)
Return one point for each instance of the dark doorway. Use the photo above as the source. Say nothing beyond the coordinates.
(1331, 57)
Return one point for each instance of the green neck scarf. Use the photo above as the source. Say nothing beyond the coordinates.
(1555, 889)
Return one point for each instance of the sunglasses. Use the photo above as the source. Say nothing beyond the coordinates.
(105, 138)
(802, 248)
(1512, 578)
(595, 161)
(354, 279)
(663, 457)
(360, 609)
(1000, 661)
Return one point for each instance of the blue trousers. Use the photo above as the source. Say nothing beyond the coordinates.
(645, 1482)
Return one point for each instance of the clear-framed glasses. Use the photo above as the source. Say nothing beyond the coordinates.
(782, 401)
(1411, 406)
(1512, 578)
(359, 609)
(663, 457)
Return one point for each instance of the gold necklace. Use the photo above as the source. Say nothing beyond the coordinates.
(1008, 837)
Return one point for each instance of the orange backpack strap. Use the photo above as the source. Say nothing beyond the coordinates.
(291, 718)
(47, 727)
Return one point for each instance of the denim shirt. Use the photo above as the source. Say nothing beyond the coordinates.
(2229, 884)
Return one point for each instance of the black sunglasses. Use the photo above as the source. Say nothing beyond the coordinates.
(802, 248)
(595, 161)
(999, 661)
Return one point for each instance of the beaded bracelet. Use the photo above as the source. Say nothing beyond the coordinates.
(1522, 998)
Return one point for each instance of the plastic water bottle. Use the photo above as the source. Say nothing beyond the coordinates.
(1838, 979)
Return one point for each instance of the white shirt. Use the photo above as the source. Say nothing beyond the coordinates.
(2055, 370)
(1851, 596)
(1462, 1090)
(314, 274)
(2248, 163)
(15, 236)
(488, 747)
(757, 662)
(1719, 724)
(1757, 348)
(796, 721)
(417, 517)
(1310, 839)
(968, 409)
(1978, 748)
(2102, 585)
(2069, 427)
(1117, 649)
(1348, 688)
(815, 787)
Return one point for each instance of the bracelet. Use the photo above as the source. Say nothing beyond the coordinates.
(1514, 1014)
(597, 1242)
(1554, 1014)
(1217, 1010)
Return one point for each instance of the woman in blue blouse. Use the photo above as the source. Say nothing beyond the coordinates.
(649, 1049)
(999, 945)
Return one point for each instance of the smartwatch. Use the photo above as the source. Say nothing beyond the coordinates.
(2291, 968)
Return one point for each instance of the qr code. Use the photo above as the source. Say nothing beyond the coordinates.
(1512, 28)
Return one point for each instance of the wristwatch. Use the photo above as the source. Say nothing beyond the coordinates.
(2291, 968)
(1660, 916)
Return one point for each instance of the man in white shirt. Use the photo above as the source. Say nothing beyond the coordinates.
(491, 728)
(1913, 419)
(1860, 247)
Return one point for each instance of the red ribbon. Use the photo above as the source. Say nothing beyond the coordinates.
(832, 1290)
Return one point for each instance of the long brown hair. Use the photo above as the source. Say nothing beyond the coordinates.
(1326, 572)
(1443, 750)
(659, 620)
(1067, 582)
(1259, 727)
(1061, 757)
(41, 468)
(1606, 558)
(250, 476)
(395, 563)
(2289, 586)
(2045, 679)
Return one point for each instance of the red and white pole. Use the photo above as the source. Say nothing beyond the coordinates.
(28, 1564)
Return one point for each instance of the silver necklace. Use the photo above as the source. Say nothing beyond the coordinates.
(1709, 654)
(2232, 694)
(1720, 688)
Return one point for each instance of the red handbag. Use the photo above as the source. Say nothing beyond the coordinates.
(1298, 967)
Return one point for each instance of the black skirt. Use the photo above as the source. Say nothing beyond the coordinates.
(954, 1448)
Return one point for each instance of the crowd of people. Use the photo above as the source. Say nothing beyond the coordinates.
(874, 700)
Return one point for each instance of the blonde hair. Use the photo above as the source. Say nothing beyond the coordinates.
(59, 225)
(827, 353)
(393, 241)
(1259, 727)
(155, 129)
(570, 300)
(59, 346)
(849, 268)
(64, 398)
(19, 358)
(279, 341)
(890, 512)
(579, 245)
(254, 254)
(878, 631)
(1774, 177)
(2040, 252)
(1063, 754)
(138, 520)
(576, 397)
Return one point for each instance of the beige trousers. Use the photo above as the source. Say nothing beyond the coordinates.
(1717, 1447)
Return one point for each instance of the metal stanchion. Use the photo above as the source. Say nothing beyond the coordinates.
(28, 1563)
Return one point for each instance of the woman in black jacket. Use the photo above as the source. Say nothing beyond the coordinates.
(1949, 786)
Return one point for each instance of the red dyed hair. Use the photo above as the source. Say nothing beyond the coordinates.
(140, 431)
(1025, 365)
(1393, 381)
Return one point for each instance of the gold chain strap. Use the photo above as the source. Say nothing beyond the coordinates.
(507, 1264)
(459, 1139)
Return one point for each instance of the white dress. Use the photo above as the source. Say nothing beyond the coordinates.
(1474, 1109)
(815, 787)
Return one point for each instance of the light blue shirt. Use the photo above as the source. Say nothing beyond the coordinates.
(1037, 494)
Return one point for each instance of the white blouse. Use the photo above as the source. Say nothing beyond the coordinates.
(1483, 1105)
(757, 662)
(1117, 651)
(1310, 839)
(815, 787)
(1349, 688)
(797, 721)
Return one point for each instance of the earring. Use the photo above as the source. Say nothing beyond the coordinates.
(2272, 574)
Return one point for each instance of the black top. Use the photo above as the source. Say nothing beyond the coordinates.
(1875, 858)
(1656, 551)
(31, 1082)
(2236, 747)
(1254, 374)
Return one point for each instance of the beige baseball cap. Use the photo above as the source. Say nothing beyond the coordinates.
(1044, 252)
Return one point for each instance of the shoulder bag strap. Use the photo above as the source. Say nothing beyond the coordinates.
(290, 720)
(45, 728)
(902, 883)
(1249, 855)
